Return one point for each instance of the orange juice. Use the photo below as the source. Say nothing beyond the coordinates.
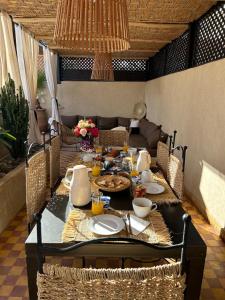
(97, 207)
(98, 149)
(125, 148)
(134, 173)
(96, 170)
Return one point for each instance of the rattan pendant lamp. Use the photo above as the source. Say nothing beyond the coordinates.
(98, 26)
(102, 67)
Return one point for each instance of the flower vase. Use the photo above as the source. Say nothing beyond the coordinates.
(87, 144)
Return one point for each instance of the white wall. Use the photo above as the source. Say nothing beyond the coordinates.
(193, 103)
(98, 98)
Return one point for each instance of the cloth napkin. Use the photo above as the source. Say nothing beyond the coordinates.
(137, 224)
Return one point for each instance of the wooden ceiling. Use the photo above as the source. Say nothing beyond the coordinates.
(152, 23)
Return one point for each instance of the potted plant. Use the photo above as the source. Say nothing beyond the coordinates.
(15, 114)
(15, 118)
(6, 138)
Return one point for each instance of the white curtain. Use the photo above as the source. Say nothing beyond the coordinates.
(8, 58)
(50, 64)
(27, 54)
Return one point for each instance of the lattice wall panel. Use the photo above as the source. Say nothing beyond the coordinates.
(210, 38)
(157, 64)
(79, 68)
(178, 54)
(77, 63)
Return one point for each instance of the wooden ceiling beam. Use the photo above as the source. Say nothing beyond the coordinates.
(155, 41)
(158, 25)
(136, 24)
(34, 20)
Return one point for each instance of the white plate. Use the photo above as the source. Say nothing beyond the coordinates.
(154, 188)
(106, 224)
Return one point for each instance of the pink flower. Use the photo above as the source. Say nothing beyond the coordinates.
(95, 132)
(83, 132)
(77, 131)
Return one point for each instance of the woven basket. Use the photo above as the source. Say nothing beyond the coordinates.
(125, 185)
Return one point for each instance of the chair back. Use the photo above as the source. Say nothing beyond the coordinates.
(163, 152)
(113, 137)
(54, 159)
(159, 282)
(36, 184)
(175, 172)
(163, 156)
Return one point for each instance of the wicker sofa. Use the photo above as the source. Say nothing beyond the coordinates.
(148, 135)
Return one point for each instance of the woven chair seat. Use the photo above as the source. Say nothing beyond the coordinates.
(36, 184)
(113, 137)
(155, 283)
(175, 176)
(163, 157)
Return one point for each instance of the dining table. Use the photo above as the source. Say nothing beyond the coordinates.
(54, 218)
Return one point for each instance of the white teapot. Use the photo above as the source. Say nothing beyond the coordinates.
(147, 176)
(80, 187)
(144, 161)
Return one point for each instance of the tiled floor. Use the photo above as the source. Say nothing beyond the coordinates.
(13, 281)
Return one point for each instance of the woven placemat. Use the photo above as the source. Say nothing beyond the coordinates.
(76, 228)
(167, 197)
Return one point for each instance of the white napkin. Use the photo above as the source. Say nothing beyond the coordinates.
(137, 224)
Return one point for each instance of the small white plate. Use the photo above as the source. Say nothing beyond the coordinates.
(106, 224)
(154, 188)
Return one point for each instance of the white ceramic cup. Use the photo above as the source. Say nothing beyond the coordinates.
(147, 176)
(143, 206)
(132, 151)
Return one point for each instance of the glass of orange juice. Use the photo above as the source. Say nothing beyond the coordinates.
(97, 205)
(125, 147)
(98, 149)
(96, 169)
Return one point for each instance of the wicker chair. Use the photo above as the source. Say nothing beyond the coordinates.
(36, 185)
(159, 282)
(163, 156)
(175, 172)
(54, 157)
(113, 137)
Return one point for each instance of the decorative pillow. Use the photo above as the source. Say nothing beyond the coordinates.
(146, 127)
(119, 128)
(125, 122)
(153, 138)
(163, 137)
(69, 121)
(107, 123)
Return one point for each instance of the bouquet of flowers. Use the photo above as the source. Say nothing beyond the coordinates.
(86, 129)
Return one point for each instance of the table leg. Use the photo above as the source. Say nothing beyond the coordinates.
(194, 278)
(32, 269)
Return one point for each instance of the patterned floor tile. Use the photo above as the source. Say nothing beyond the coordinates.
(13, 279)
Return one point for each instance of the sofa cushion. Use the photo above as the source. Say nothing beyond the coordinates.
(163, 137)
(94, 118)
(125, 122)
(70, 121)
(137, 140)
(146, 127)
(107, 123)
(153, 138)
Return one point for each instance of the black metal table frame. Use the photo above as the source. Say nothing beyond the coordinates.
(54, 217)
